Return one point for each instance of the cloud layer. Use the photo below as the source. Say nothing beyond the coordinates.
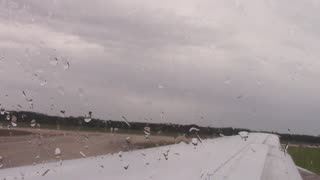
(251, 64)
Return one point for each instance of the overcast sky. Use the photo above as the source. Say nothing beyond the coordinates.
(252, 64)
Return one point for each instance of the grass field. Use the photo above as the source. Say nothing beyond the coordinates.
(306, 157)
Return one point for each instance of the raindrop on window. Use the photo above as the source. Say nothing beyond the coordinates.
(24, 94)
(166, 155)
(193, 129)
(199, 138)
(88, 117)
(8, 117)
(128, 140)
(82, 154)
(54, 61)
(63, 113)
(19, 106)
(33, 123)
(244, 135)
(23, 116)
(239, 97)
(194, 141)
(147, 132)
(1, 161)
(57, 152)
(126, 165)
(2, 111)
(46, 172)
(285, 150)
(43, 82)
(126, 121)
(196, 131)
(66, 66)
(120, 154)
(14, 121)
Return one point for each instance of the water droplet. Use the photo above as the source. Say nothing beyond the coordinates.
(23, 116)
(244, 135)
(286, 148)
(194, 141)
(14, 121)
(19, 106)
(33, 123)
(8, 117)
(128, 140)
(2, 111)
(120, 154)
(126, 121)
(88, 117)
(239, 97)
(253, 150)
(57, 152)
(126, 165)
(166, 154)
(82, 154)
(24, 94)
(43, 82)
(63, 113)
(199, 138)
(147, 132)
(66, 66)
(193, 129)
(1, 161)
(43, 174)
(54, 61)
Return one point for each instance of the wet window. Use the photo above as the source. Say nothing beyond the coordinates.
(142, 86)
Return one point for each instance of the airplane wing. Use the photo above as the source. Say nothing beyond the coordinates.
(230, 158)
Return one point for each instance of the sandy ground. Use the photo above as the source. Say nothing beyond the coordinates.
(40, 145)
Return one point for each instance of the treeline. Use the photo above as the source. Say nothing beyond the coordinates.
(24, 119)
(296, 139)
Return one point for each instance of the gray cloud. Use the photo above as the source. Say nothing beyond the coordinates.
(245, 64)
